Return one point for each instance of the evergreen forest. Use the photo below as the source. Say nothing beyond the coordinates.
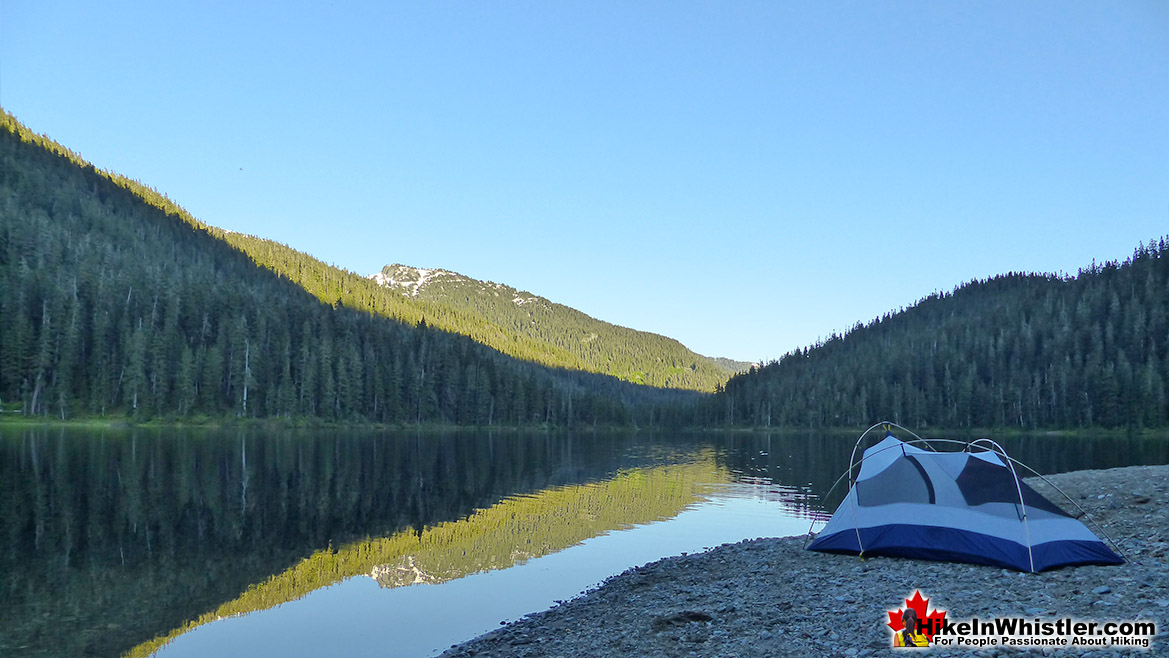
(1017, 350)
(533, 328)
(117, 303)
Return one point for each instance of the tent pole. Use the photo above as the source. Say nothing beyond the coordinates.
(982, 443)
(1083, 511)
(852, 463)
(1068, 498)
(999, 450)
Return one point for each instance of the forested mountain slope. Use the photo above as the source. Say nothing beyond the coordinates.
(533, 328)
(629, 355)
(116, 301)
(549, 334)
(1022, 350)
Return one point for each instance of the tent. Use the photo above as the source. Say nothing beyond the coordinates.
(963, 506)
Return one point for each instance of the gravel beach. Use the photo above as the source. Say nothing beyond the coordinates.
(769, 597)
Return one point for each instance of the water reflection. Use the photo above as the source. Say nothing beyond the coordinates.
(111, 539)
(513, 531)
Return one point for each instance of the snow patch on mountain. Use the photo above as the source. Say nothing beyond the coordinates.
(410, 280)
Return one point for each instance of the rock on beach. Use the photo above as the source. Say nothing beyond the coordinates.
(770, 598)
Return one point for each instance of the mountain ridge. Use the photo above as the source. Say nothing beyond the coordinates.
(117, 301)
(120, 303)
(563, 334)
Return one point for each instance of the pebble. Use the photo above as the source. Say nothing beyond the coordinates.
(787, 602)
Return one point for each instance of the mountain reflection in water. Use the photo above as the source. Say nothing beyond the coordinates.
(114, 542)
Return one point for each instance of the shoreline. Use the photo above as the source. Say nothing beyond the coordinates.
(769, 597)
(15, 420)
(288, 424)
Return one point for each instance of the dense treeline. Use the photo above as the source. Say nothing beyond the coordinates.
(1021, 350)
(534, 330)
(117, 302)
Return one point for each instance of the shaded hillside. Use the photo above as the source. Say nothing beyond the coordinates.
(115, 301)
(552, 335)
(559, 337)
(531, 327)
(1021, 350)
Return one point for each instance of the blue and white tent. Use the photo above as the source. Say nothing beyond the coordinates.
(967, 506)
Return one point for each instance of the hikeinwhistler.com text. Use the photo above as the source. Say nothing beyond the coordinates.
(1022, 632)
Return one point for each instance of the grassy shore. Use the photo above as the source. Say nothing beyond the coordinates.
(276, 423)
(15, 419)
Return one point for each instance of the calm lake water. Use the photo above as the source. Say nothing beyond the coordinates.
(252, 543)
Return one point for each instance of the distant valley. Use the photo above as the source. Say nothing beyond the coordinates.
(531, 327)
(119, 304)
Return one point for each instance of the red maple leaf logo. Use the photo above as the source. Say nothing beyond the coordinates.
(930, 623)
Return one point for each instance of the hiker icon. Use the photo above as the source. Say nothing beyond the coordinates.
(910, 636)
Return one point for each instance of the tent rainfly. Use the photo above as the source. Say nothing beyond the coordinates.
(967, 506)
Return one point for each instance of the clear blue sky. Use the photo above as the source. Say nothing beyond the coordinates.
(746, 177)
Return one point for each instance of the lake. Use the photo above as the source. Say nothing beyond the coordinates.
(348, 543)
